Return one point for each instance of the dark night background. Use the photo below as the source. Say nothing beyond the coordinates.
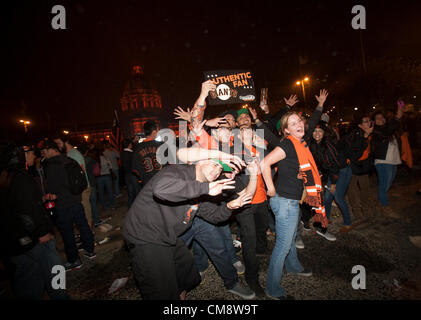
(75, 77)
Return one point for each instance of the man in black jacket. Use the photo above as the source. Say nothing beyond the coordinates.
(69, 209)
(163, 211)
(27, 244)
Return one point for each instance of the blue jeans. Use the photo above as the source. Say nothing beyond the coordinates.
(66, 218)
(386, 174)
(286, 213)
(132, 188)
(200, 256)
(94, 206)
(105, 183)
(208, 236)
(342, 184)
(33, 273)
(116, 182)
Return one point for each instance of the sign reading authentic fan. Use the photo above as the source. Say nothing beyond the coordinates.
(232, 86)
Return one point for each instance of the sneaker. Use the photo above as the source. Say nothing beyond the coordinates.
(299, 244)
(304, 273)
(326, 235)
(257, 288)
(287, 297)
(241, 269)
(89, 255)
(243, 292)
(73, 265)
(306, 227)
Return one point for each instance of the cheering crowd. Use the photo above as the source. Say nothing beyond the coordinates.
(275, 175)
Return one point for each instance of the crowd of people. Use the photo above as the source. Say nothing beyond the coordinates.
(275, 175)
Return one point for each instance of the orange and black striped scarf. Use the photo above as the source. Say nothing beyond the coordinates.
(311, 178)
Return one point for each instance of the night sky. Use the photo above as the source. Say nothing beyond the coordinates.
(77, 75)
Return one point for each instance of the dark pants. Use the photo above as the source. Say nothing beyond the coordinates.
(245, 219)
(210, 238)
(261, 223)
(163, 272)
(66, 217)
(33, 273)
(132, 188)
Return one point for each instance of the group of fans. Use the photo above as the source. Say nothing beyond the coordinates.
(272, 174)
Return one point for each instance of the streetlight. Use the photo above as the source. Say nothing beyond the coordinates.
(301, 82)
(25, 124)
(65, 132)
(86, 138)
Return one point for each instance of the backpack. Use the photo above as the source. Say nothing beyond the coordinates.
(76, 177)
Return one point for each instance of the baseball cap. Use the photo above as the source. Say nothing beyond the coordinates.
(225, 167)
(241, 111)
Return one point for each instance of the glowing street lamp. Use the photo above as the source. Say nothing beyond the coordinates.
(25, 123)
(86, 138)
(65, 132)
(301, 82)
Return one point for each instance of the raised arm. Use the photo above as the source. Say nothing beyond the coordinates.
(317, 113)
(198, 110)
(275, 156)
(189, 155)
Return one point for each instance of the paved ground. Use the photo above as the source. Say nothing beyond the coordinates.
(392, 262)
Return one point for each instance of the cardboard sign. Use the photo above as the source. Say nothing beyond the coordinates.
(232, 86)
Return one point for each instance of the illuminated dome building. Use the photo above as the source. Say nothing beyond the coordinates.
(140, 103)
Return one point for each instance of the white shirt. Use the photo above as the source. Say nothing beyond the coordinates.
(392, 156)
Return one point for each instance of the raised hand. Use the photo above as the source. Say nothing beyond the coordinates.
(196, 128)
(242, 200)
(401, 106)
(292, 100)
(232, 161)
(214, 122)
(206, 87)
(265, 108)
(322, 97)
(253, 113)
(216, 187)
(183, 115)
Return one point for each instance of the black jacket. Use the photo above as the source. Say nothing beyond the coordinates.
(57, 182)
(381, 137)
(353, 146)
(22, 215)
(160, 212)
(328, 159)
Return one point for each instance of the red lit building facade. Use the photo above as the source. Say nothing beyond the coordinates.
(139, 103)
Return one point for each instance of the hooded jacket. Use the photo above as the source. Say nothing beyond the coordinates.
(166, 206)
